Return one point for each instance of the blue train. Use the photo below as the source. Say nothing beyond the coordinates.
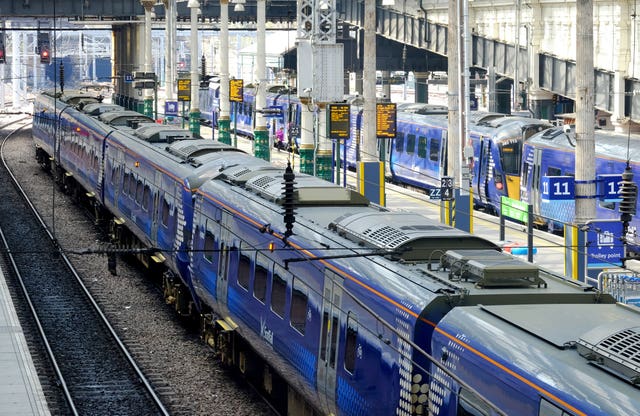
(417, 156)
(552, 153)
(330, 304)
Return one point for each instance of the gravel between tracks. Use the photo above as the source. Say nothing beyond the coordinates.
(193, 378)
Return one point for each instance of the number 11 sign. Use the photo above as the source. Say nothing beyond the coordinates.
(555, 188)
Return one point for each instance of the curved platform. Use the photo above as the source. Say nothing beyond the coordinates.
(20, 390)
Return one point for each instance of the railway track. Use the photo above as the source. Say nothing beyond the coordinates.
(93, 369)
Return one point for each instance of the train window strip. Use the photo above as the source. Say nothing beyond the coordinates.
(261, 276)
(299, 305)
(164, 215)
(278, 295)
(434, 150)
(422, 147)
(209, 246)
(411, 144)
(351, 343)
(244, 271)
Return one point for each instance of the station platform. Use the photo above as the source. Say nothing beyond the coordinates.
(20, 390)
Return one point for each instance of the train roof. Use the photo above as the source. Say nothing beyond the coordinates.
(124, 118)
(95, 109)
(582, 353)
(608, 143)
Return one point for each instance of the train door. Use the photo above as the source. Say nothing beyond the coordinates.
(329, 341)
(483, 170)
(225, 256)
(155, 210)
(536, 179)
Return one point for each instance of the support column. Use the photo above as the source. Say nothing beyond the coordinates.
(324, 156)
(421, 88)
(307, 142)
(170, 9)
(585, 186)
(355, 83)
(148, 55)
(194, 113)
(261, 133)
(386, 85)
(224, 121)
(370, 169)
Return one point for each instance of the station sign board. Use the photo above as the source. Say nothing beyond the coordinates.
(446, 188)
(386, 120)
(171, 108)
(236, 90)
(604, 244)
(514, 209)
(184, 89)
(609, 187)
(556, 188)
(339, 121)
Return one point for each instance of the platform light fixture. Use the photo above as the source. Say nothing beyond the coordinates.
(388, 3)
(239, 5)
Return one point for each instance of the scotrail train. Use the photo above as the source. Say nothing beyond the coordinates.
(417, 155)
(502, 163)
(333, 305)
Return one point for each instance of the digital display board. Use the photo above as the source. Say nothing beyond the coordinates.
(236, 90)
(338, 120)
(184, 89)
(386, 120)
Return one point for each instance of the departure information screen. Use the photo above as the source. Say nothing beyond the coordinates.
(386, 120)
(339, 116)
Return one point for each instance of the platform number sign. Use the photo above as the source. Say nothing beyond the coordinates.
(555, 188)
(609, 187)
(446, 188)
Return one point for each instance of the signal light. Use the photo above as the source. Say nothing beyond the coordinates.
(45, 56)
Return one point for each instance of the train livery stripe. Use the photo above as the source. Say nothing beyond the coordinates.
(405, 309)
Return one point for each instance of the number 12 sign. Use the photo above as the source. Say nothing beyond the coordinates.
(556, 188)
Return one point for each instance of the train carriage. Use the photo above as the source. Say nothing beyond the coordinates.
(338, 306)
(552, 153)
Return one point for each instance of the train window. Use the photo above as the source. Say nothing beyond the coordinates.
(471, 405)
(422, 147)
(434, 150)
(139, 192)
(323, 337)
(278, 295)
(260, 283)
(335, 325)
(510, 155)
(125, 184)
(146, 198)
(244, 271)
(209, 246)
(549, 409)
(551, 171)
(164, 215)
(399, 143)
(411, 144)
(350, 343)
(525, 176)
(299, 300)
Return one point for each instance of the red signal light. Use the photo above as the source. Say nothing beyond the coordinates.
(44, 56)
